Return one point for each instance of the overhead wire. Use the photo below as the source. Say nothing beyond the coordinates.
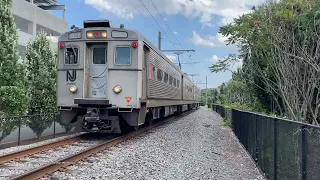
(166, 24)
(173, 43)
(142, 15)
(171, 31)
(157, 23)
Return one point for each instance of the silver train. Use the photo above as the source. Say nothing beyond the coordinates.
(113, 80)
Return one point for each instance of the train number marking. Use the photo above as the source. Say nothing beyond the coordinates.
(71, 76)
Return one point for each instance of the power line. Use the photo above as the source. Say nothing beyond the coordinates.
(169, 27)
(166, 24)
(143, 15)
(157, 23)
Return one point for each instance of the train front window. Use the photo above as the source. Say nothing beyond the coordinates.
(99, 55)
(122, 56)
(71, 56)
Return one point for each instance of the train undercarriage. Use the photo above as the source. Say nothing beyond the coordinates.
(117, 120)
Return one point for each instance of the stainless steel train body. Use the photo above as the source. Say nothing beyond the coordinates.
(113, 79)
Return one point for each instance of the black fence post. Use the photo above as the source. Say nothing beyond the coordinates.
(275, 148)
(304, 153)
(54, 126)
(19, 132)
(257, 138)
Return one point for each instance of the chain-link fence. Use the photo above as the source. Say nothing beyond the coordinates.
(283, 149)
(20, 130)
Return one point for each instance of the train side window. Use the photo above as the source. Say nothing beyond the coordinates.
(170, 80)
(159, 75)
(178, 83)
(71, 56)
(99, 55)
(122, 56)
(166, 77)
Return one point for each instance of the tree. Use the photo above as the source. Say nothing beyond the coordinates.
(13, 96)
(280, 50)
(41, 66)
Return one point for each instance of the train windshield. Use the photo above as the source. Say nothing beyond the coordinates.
(99, 55)
(122, 56)
(71, 56)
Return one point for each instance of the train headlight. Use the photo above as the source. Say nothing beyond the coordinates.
(73, 88)
(117, 89)
(89, 35)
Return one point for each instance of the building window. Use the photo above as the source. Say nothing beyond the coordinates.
(99, 55)
(122, 56)
(22, 50)
(23, 25)
(170, 80)
(174, 82)
(178, 83)
(49, 32)
(71, 56)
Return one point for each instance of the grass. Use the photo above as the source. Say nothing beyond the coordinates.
(225, 122)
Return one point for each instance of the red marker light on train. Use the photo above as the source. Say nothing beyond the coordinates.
(134, 44)
(97, 34)
(61, 45)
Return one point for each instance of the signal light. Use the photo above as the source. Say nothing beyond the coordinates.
(97, 34)
(134, 44)
(61, 45)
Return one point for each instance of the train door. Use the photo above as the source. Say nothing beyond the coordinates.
(182, 87)
(98, 72)
(145, 86)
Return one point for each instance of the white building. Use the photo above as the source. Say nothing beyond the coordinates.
(33, 15)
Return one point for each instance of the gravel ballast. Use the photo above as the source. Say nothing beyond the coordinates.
(22, 147)
(194, 147)
(14, 168)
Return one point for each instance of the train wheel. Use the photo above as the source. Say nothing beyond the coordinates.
(135, 128)
(149, 119)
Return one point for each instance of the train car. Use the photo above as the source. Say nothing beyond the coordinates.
(113, 80)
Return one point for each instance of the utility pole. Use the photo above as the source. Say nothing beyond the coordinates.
(189, 63)
(159, 41)
(206, 90)
(193, 75)
(178, 52)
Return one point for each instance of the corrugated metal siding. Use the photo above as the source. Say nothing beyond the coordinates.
(186, 94)
(161, 89)
(197, 94)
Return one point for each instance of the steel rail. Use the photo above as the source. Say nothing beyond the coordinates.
(46, 170)
(34, 150)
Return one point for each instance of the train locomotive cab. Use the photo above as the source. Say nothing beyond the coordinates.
(99, 78)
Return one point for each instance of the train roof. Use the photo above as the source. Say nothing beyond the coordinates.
(132, 35)
(143, 38)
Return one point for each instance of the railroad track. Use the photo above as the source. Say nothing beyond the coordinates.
(76, 150)
(16, 163)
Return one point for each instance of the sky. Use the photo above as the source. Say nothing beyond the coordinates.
(185, 24)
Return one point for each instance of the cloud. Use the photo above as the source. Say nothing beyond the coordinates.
(214, 59)
(174, 32)
(203, 10)
(233, 65)
(172, 57)
(198, 40)
(208, 41)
